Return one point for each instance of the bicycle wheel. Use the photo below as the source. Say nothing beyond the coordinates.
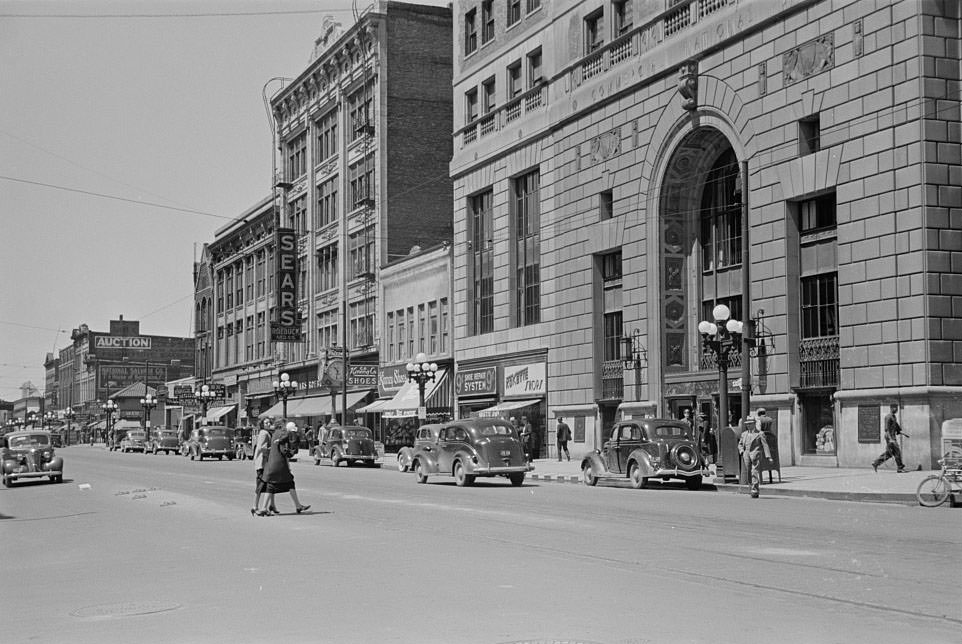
(933, 491)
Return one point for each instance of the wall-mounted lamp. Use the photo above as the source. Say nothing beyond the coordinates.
(633, 351)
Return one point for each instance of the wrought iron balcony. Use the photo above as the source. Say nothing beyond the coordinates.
(819, 361)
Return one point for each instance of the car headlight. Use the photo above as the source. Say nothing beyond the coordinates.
(47, 455)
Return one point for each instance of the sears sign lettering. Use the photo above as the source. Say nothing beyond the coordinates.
(287, 326)
(121, 342)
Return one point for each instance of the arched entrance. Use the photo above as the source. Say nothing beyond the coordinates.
(700, 255)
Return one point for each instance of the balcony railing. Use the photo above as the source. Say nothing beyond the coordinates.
(612, 380)
(532, 100)
(818, 359)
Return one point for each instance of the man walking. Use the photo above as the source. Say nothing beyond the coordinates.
(563, 436)
(751, 445)
(892, 431)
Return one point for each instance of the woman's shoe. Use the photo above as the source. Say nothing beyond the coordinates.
(263, 513)
(303, 508)
(253, 511)
(273, 510)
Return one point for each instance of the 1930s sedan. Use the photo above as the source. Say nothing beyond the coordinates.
(349, 444)
(134, 441)
(473, 447)
(163, 440)
(243, 443)
(29, 455)
(426, 435)
(212, 440)
(646, 448)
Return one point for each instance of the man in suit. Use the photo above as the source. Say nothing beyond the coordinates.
(751, 445)
(892, 449)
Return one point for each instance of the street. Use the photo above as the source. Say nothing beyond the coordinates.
(146, 548)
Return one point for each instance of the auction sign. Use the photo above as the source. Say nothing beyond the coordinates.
(121, 342)
(287, 326)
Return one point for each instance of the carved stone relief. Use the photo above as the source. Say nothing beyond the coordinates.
(809, 59)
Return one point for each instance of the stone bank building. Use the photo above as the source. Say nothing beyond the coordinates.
(600, 192)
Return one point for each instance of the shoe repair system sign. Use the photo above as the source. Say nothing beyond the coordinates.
(287, 326)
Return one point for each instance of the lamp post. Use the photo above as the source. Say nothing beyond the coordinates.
(720, 336)
(109, 408)
(422, 372)
(632, 354)
(205, 395)
(49, 417)
(68, 415)
(284, 388)
(148, 402)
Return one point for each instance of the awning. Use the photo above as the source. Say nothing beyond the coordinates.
(313, 405)
(376, 407)
(406, 401)
(506, 406)
(217, 413)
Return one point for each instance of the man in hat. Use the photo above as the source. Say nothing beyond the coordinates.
(892, 431)
(751, 445)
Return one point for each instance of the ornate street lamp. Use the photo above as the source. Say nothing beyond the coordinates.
(720, 336)
(206, 396)
(109, 408)
(148, 402)
(422, 372)
(68, 415)
(48, 417)
(284, 388)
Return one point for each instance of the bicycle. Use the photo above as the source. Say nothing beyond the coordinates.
(935, 490)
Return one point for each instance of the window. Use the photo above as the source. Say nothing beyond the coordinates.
(622, 17)
(411, 331)
(230, 289)
(422, 329)
(401, 334)
(260, 335)
(482, 251)
(733, 302)
(249, 277)
(238, 272)
(514, 80)
(261, 256)
(817, 213)
(594, 31)
(249, 340)
(270, 271)
(820, 305)
(361, 180)
(327, 203)
(389, 341)
(361, 324)
(327, 328)
(514, 11)
(433, 327)
(361, 246)
(326, 268)
(470, 32)
(444, 325)
(721, 215)
(533, 5)
(471, 105)
(326, 141)
(527, 228)
(297, 156)
(534, 68)
(611, 267)
(298, 215)
(809, 133)
(606, 204)
(359, 105)
(220, 291)
(487, 95)
(487, 21)
(612, 335)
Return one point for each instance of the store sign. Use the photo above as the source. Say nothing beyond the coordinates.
(391, 379)
(526, 380)
(476, 382)
(362, 375)
(287, 326)
(116, 377)
(121, 342)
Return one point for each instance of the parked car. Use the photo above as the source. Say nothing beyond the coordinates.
(350, 444)
(211, 440)
(134, 441)
(163, 440)
(244, 443)
(27, 455)
(472, 447)
(647, 448)
(425, 435)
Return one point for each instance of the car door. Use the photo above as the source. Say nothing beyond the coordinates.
(332, 438)
(447, 446)
(618, 454)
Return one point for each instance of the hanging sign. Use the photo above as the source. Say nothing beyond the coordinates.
(287, 326)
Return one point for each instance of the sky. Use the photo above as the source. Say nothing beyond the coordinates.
(129, 132)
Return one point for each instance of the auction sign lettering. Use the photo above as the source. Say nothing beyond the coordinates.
(121, 342)
(287, 326)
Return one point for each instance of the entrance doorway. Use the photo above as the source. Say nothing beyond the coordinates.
(818, 423)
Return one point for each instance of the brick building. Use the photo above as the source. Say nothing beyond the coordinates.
(600, 193)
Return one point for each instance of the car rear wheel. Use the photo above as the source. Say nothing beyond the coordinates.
(516, 479)
(461, 477)
(420, 473)
(402, 466)
(57, 479)
(6, 481)
(634, 475)
(587, 476)
(693, 482)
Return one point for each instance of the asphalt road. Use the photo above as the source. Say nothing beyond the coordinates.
(143, 548)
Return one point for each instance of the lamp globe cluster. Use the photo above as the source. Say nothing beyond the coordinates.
(421, 370)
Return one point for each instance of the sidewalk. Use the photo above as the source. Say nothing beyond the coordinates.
(840, 484)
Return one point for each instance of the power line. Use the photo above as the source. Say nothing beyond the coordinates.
(220, 14)
(30, 326)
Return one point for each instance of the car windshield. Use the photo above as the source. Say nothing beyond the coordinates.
(216, 433)
(496, 430)
(357, 433)
(671, 431)
(168, 434)
(30, 440)
(136, 435)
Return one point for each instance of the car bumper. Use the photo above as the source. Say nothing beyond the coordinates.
(676, 473)
(13, 476)
(496, 470)
(217, 452)
(360, 457)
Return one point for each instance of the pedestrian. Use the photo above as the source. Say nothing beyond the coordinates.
(277, 472)
(563, 436)
(892, 431)
(764, 421)
(262, 446)
(686, 417)
(309, 436)
(751, 445)
(527, 438)
(709, 442)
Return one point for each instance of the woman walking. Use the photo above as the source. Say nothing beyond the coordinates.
(262, 446)
(277, 473)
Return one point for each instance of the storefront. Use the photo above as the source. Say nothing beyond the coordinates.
(396, 410)
(315, 403)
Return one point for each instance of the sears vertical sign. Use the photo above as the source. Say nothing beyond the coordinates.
(287, 326)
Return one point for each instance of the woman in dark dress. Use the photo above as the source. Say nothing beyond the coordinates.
(277, 473)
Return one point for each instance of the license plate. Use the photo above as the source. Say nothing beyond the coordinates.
(505, 452)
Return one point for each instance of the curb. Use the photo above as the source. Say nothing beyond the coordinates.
(859, 497)
(555, 478)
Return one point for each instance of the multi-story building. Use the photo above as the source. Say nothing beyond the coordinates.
(51, 366)
(622, 168)
(364, 139)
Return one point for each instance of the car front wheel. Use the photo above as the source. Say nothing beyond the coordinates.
(516, 479)
(402, 466)
(693, 482)
(637, 480)
(587, 476)
(335, 458)
(419, 471)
